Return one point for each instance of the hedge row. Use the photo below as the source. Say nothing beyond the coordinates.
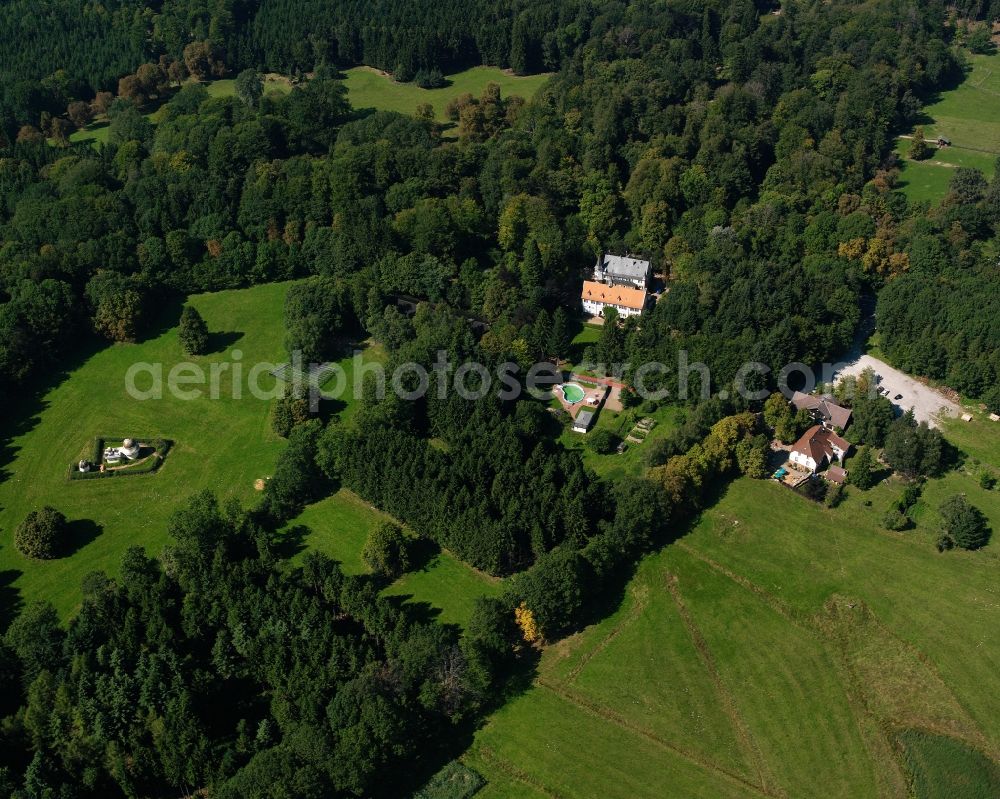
(161, 445)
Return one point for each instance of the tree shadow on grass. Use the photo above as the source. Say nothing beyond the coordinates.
(23, 405)
(221, 341)
(166, 317)
(10, 598)
(79, 533)
(328, 408)
(423, 554)
(292, 540)
(419, 611)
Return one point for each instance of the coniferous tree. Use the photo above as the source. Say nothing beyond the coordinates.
(863, 466)
(964, 524)
(193, 331)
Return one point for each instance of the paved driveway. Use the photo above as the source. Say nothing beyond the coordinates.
(927, 403)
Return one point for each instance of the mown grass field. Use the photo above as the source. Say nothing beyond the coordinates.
(223, 444)
(779, 648)
(372, 88)
(339, 525)
(968, 115)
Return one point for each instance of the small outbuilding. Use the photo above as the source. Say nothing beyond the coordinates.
(583, 422)
(836, 474)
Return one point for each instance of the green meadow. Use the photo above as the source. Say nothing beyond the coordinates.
(778, 648)
(338, 527)
(223, 444)
(372, 88)
(968, 115)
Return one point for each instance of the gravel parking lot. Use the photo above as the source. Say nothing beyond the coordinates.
(927, 403)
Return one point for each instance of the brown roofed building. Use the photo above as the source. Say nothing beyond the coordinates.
(823, 409)
(818, 446)
(835, 474)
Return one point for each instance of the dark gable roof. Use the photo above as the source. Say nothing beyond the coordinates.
(828, 410)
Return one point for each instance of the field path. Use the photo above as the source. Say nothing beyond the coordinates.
(593, 708)
(750, 749)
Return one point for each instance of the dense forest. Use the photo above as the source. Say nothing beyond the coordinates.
(212, 668)
(745, 151)
(940, 318)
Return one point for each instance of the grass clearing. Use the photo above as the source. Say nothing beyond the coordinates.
(338, 526)
(448, 586)
(968, 115)
(223, 444)
(372, 88)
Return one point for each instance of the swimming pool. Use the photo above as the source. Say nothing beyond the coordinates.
(572, 393)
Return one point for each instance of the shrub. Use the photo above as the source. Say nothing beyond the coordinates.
(288, 412)
(429, 78)
(910, 496)
(41, 534)
(602, 441)
(963, 523)
(387, 550)
(895, 520)
(834, 496)
(814, 488)
(987, 480)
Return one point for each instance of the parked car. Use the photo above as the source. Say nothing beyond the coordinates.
(898, 397)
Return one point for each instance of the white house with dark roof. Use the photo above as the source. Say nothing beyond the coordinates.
(818, 446)
(622, 270)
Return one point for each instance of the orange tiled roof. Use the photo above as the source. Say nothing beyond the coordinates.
(614, 295)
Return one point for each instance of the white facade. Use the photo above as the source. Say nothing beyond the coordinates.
(594, 308)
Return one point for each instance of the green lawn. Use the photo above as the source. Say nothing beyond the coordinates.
(968, 115)
(339, 525)
(779, 647)
(222, 444)
(928, 180)
(371, 88)
(448, 586)
(632, 462)
(226, 87)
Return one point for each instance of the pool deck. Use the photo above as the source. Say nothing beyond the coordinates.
(593, 396)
